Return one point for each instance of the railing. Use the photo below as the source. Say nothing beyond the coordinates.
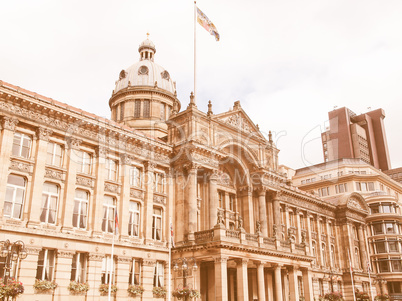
(233, 233)
(269, 240)
(376, 193)
(251, 237)
(285, 244)
(204, 235)
(300, 247)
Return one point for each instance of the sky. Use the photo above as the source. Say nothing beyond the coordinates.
(288, 62)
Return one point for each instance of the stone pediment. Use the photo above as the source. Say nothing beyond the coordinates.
(238, 119)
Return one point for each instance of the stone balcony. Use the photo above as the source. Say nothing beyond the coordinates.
(240, 237)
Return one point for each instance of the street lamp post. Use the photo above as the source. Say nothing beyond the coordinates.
(11, 252)
(185, 264)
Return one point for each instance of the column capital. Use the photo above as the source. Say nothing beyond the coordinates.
(65, 254)
(242, 261)
(191, 166)
(125, 159)
(261, 191)
(148, 262)
(33, 250)
(73, 143)
(44, 133)
(277, 265)
(260, 263)
(102, 151)
(149, 166)
(221, 259)
(9, 123)
(96, 257)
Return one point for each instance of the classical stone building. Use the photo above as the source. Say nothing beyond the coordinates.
(354, 179)
(241, 230)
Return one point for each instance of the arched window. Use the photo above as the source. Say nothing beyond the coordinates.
(323, 255)
(50, 197)
(314, 250)
(80, 209)
(357, 257)
(333, 255)
(15, 195)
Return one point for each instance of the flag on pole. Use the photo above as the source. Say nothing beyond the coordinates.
(116, 223)
(171, 235)
(203, 20)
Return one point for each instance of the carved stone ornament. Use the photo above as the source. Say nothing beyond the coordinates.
(159, 199)
(148, 262)
(121, 259)
(33, 250)
(125, 159)
(96, 257)
(275, 230)
(74, 143)
(239, 122)
(20, 166)
(240, 222)
(220, 219)
(53, 174)
(101, 151)
(111, 188)
(134, 193)
(220, 259)
(65, 254)
(84, 181)
(354, 203)
(149, 166)
(44, 134)
(258, 226)
(9, 123)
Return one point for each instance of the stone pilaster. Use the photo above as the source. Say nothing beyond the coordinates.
(122, 275)
(278, 282)
(62, 273)
(94, 275)
(262, 205)
(148, 200)
(308, 285)
(213, 199)
(248, 208)
(192, 199)
(99, 191)
(242, 279)
(7, 136)
(124, 203)
(29, 266)
(261, 281)
(38, 178)
(293, 284)
(362, 247)
(221, 283)
(148, 267)
(70, 184)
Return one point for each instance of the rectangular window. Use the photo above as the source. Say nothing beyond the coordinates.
(221, 196)
(45, 267)
(158, 274)
(15, 194)
(111, 170)
(396, 264)
(135, 177)
(122, 111)
(80, 209)
(393, 246)
(135, 272)
(383, 266)
(78, 267)
(13, 270)
(163, 111)
(157, 224)
(21, 145)
(389, 228)
(134, 219)
(377, 228)
(109, 207)
(146, 109)
(159, 185)
(231, 202)
(374, 208)
(137, 109)
(370, 186)
(108, 270)
(50, 197)
(380, 246)
(341, 188)
(54, 154)
(323, 191)
(84, 160)
(386, 208)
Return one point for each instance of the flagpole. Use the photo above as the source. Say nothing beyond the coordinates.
(170, 260)
(111, 269)
(351, 276)
(195, 54)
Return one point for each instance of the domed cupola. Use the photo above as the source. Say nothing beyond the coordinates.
(145, 94)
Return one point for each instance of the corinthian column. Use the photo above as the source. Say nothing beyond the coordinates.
(192, 199)
(263, 212)
(213, 201)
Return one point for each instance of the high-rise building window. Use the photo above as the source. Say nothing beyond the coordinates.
(158, 274)
(111, 170)
(15, 195)
(135, 176)
(21, 145)
(50, 197)
(78, 267)
(45, 267)
(108, 270)
(80, 209)
(135, 272)
(54, 154)
(109, 207)
(157, 224)
(134, 219)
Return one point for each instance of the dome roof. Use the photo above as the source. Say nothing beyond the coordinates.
(146, 72)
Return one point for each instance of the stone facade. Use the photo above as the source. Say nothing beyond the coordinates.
(235, 216)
